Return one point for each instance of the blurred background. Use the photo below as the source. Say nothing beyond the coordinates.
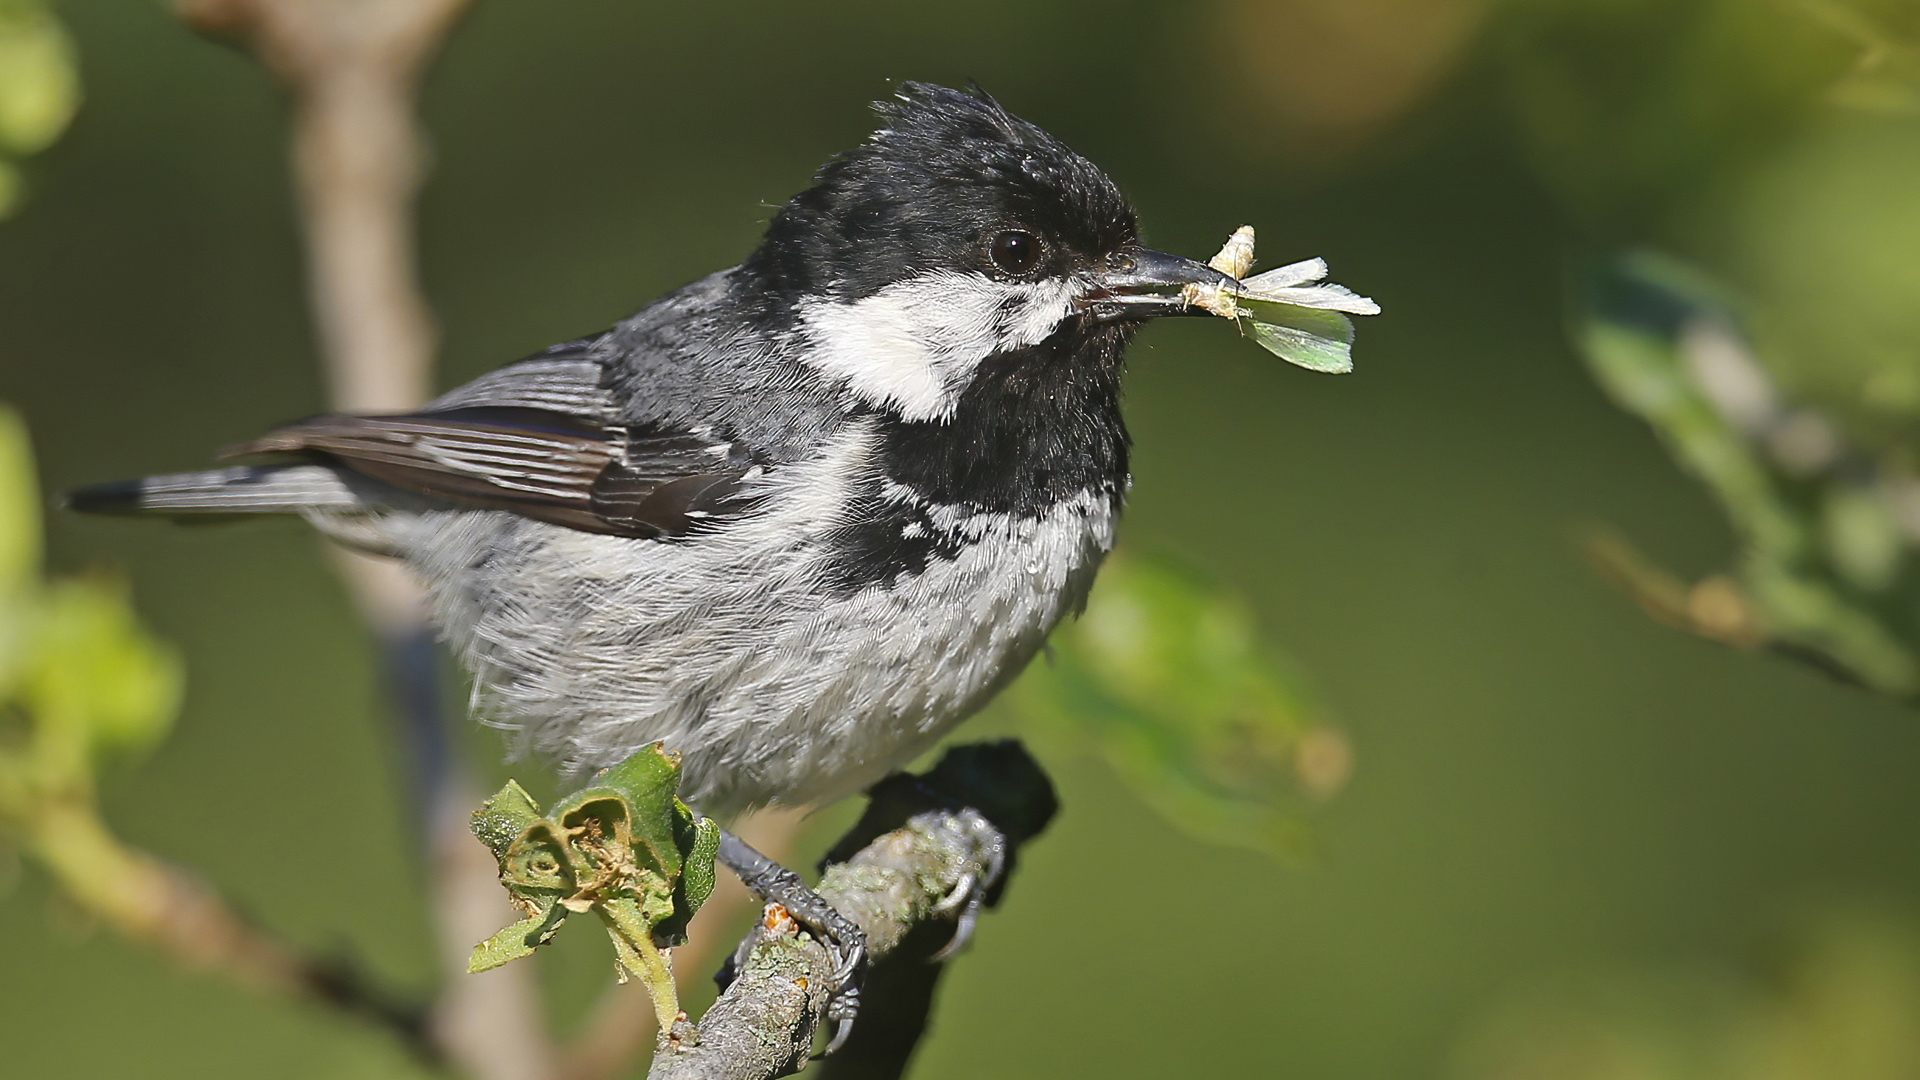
(1577, 841)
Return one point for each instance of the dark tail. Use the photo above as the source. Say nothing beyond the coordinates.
(251, 489)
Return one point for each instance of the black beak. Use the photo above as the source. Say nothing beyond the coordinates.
(1140, 283)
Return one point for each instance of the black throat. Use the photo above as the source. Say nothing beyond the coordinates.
(1035, 428)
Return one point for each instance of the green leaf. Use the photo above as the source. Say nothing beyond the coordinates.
(96, 678)
(39, 77)
(1170, 682)
(516, 941)
(1861, 537)
(19, 509)
(504, 818)
(697, 875)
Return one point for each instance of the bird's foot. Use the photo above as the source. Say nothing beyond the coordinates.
(980, 844)
(844, 941)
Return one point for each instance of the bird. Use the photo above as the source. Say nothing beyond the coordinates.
(795, 520)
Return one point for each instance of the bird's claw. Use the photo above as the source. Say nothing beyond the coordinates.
(972, 841)
(844, 942)
(839, 1039)
(847, 944)
(843, 1006)
(983, 845)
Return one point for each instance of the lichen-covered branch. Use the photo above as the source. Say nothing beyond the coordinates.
(763, 1025)
(919, 846)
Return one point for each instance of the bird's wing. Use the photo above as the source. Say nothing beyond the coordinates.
(539, 438)
(566, 378)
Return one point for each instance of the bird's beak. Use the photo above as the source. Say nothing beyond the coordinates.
(1141, 283)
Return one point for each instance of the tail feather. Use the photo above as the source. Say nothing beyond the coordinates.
(250, 489)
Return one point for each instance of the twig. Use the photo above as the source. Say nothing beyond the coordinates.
(164, 907)
(1714, 608)
(891, 875)
(353, 68)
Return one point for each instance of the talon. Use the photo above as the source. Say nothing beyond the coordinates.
(996, 861)
(962, 933)
(852, 960)
(844, 1006)
(843, 1000)
(839, 1037)
(969, 894)
(962, 891)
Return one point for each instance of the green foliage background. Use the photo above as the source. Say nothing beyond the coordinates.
(1547, 786)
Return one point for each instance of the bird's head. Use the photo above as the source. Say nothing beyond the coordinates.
(958, 233)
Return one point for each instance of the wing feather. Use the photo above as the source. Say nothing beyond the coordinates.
(556, 467)
(565, 378)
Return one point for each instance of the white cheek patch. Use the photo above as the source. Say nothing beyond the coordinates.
(913, 346)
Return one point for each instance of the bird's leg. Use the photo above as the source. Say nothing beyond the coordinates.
(846, 942)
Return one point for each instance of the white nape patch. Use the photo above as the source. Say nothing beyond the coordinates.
(913, 346)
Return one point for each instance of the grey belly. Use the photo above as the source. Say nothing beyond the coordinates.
(728, 649)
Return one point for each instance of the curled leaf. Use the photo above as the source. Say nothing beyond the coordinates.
(501, 819)
(697, 876)
(624, 848)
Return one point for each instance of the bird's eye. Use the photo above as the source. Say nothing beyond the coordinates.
(1015, 251)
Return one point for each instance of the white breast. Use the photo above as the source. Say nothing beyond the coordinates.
(729, 648)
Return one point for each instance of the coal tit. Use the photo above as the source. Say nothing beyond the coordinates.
(797, 519)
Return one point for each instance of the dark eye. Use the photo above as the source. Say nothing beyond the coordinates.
(1015, 251)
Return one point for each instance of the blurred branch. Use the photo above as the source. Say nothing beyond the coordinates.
(168, 909)
(353, 68)
(82, 682)
(1713, 607)
(1826, 532)
(894, 875)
